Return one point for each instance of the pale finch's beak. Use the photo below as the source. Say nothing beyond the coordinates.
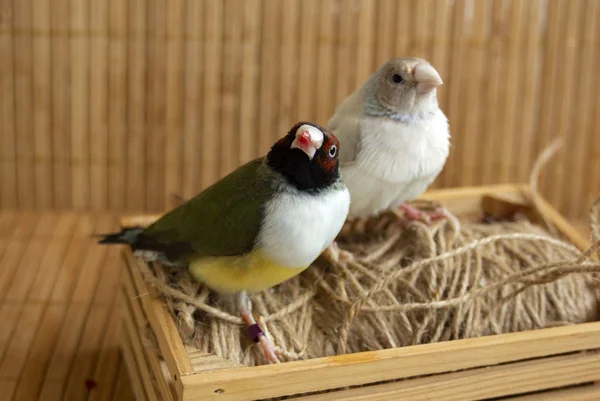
(308, 139)
(426, 77)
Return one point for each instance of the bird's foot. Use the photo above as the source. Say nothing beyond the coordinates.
(414, 214)
(255, 331)
(335, 254)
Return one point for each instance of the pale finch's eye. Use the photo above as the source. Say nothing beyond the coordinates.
(397, 78)
(332, 151)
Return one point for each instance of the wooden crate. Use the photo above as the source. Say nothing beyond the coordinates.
(545, 364)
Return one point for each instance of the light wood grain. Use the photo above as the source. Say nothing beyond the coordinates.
(213, 18)
(42, 106)
(485, 383)
(99, 124)
(369, 367)
(49, 343)
(172, 350)
(136, 323)
(250, 73)
(136, 383)
(579, 393)
(61, 106)
(192, 100)
(117, 107)
(573, 201)
(137, 132)
(154, 186)
(23, 72)
(174, 98)
(80, 100)
(8, 154)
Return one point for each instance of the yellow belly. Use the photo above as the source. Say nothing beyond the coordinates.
(253, 272)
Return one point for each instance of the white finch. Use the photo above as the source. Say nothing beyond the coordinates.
(394, 138)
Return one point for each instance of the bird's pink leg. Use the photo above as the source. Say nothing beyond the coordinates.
(413, 214)
(254, 330)
(333, 252)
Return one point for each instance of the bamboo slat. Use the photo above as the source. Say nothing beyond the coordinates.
(99, 81)
(61, 105)
(137, 77)
(23, 86)
(42, 69)
(80, 100)
(117, 107)
(585, 95)
(8, 154)
(121, 104)
(250, 73)
(174, 96)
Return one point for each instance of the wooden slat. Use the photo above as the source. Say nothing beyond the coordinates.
(473, 136)
(325, 86)
(117, 107)
(213, 18)
(192, 98)
(154, 134)
(485, 383)
(21, 13)
(80, 296)
(61, 105)
(174, 98)
(135, 321)
(136, 110)
(80, 98)
(136, 349)
(8, 150)
(99, 80)
(42, 106)
(136, 383)
(123, 388)
(530, 90)
(15, 250)
(109, 360)
(30, 379)
(580, 393)
(269, 91)
(230, 86)
(168, 339)
(250, 74)
(374, 366)
(289, 88)
(573, 200)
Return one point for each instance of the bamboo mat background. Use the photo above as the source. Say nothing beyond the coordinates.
(117, 104)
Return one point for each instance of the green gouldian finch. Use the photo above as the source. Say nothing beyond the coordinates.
(260, 225)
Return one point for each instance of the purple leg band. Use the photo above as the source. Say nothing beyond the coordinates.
(255, 332)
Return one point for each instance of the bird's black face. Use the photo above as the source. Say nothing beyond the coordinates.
(308, 156)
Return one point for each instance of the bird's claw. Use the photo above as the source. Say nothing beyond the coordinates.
(261, 336)
(335, 254)
(414, 214)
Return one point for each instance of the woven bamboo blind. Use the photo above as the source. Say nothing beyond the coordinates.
(118, 104)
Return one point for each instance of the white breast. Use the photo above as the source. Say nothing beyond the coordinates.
(298, 227)
(397, 162)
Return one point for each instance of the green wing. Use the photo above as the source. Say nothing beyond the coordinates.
(222, 220)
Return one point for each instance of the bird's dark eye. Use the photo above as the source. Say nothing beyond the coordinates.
(332, 151)
(397, 78)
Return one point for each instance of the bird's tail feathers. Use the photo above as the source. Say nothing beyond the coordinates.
(126, 236)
